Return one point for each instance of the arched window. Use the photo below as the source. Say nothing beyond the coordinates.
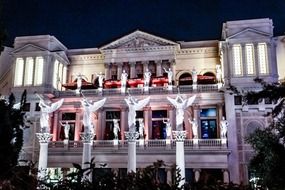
(251, 127)
(185, 79)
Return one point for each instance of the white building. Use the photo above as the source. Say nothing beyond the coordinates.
(246, 50)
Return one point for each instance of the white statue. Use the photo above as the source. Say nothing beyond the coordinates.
(180, 105)
(194, 127)
(141, 127)
(224, 127)
(124, 78)
(100, 79)
(194, 76)
(218, 73)
(46, 109)
(79, 78)
(89, 108)
(169, 75)
(66, 127)
(168, 127)
(116, 128)
(134, 105)
(147, 76)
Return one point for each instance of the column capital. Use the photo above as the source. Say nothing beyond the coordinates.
(145, 62)
(44, 137)
(131, 136)
(158, 61)
(179, 136)
(87, 137)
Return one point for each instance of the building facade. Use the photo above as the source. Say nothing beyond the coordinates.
(247, 50)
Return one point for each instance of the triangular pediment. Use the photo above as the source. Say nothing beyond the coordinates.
(249, 33)
(28, 48)
(138, 39)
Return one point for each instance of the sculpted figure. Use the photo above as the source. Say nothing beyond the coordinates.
(194, 127)
(134, 105)
(224, 127)
(218, 73)
(79, 78)
(88, 109)
(66, 127)
(147, 76)
(116, 128)
(100, 79)
(169, 75)
(180, 104)
(194, 76)
(141, 128)
(124, 78)
(168, 127)
(46, 109)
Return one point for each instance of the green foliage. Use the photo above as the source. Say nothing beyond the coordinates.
(268, 144)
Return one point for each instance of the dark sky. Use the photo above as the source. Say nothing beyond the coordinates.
(93, 23)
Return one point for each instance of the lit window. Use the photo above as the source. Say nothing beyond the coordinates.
(60, 70)
(29, 71)
(39, 68)
(237, 59)
(64, 75)
(262, 58)
(19, 70)
(55, 74)
(249, 50)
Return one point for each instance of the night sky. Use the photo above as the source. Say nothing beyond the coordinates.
(93, 23)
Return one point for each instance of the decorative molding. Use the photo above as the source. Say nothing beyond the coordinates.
(87, 137)
(179, 136)
(44, 137)
(132, 136)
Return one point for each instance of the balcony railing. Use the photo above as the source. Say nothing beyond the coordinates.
(140, 90)
(211, 144)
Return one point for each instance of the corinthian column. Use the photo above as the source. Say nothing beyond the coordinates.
(131, 136)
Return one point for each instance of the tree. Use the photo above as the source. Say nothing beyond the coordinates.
(268, 144)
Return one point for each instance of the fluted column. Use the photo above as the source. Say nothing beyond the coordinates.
(131, 136)
(119, 70)
(87, 139)
(44, 139)
(133, 70)
(180, 157)
(107, 71)
(158, 68)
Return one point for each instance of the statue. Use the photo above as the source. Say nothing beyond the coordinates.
(147, 76)
(66, 127)
(194, 76)
(224, 127)
(116, 128)
(79, 78)
(218, 73)
(134, 105)
(194, 127)
(141, 127)
(46, 109)
(124, 78)
(100, 79)
(180, 104)
(169, 75)
(88, 109)
(168, 127)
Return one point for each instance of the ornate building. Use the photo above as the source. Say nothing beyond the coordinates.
(246, 50)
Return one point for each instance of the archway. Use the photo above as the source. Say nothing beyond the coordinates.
(207, 78)
(185, 79)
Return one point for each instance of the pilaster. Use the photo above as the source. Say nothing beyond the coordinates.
(107, 71)
(158, 68)
(119, 70)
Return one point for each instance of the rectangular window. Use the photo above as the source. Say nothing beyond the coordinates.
(29, 71)
(237, 60)
(249, 51)
(262, 58)
(64, 75)
(209, 112)
(55, 74)
(19, 71)
(39, 68)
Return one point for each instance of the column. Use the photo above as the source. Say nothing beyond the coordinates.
(123, 122)
(220, 115)
(132, 70)
(78, 126)
(158, 68)
(256, 59)
(107, 71)
(101, 124)
(87, 139)
(55, 126)
(243, 62)
(119, 70)
(168, 176)
(148, 122)
(44, 139)
(173, 68)
(196, 174)
(145, 66)
(226, 176)
(171, 115)
(131, 136)
(180, 157)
